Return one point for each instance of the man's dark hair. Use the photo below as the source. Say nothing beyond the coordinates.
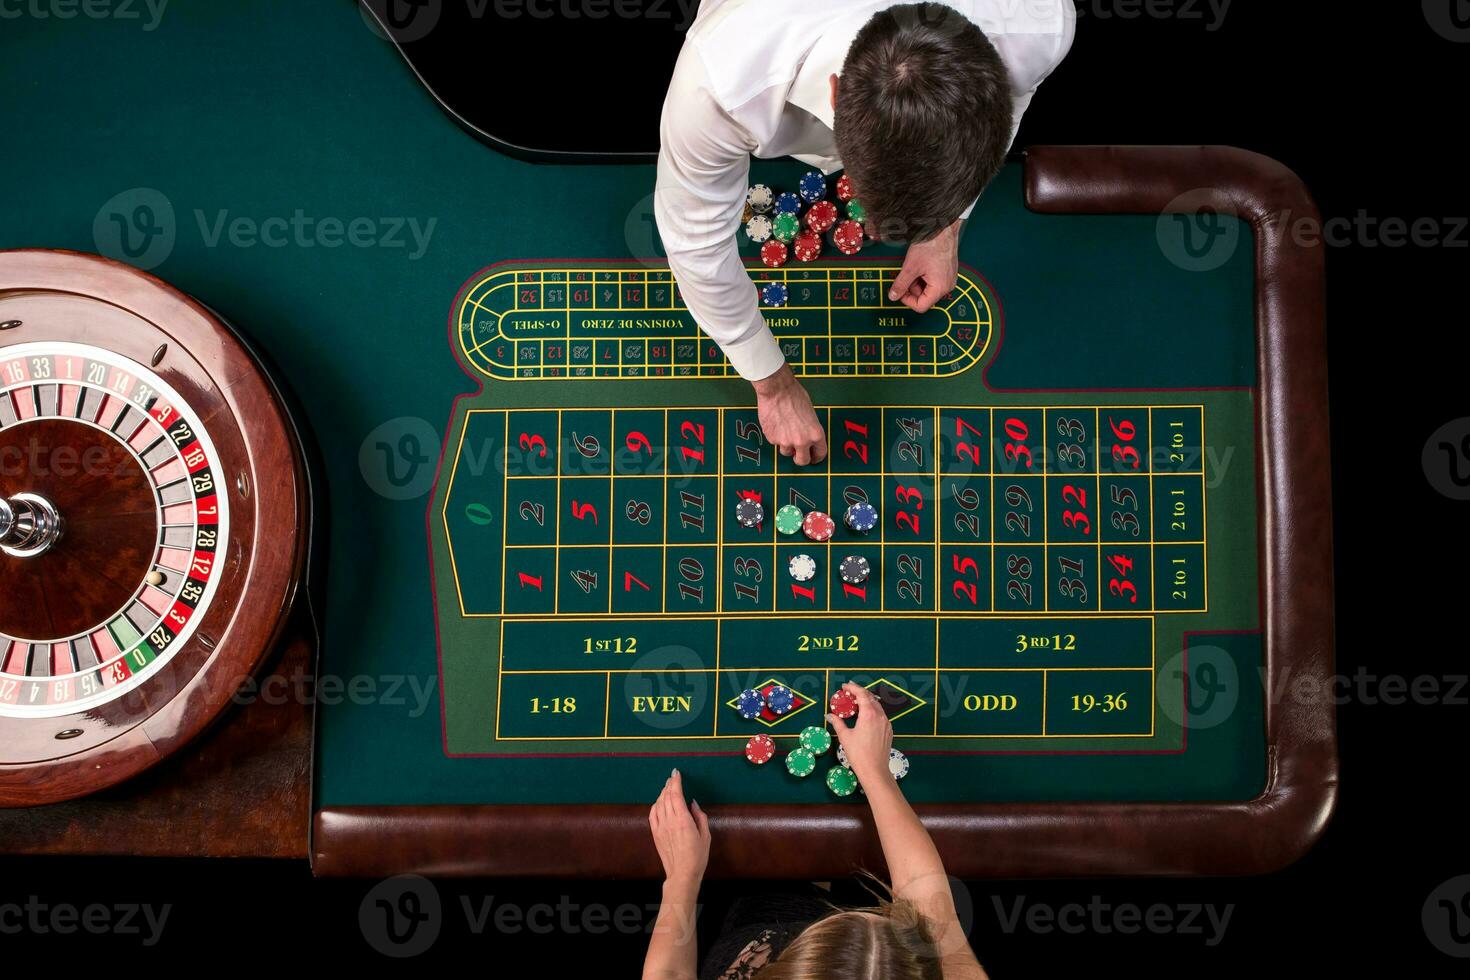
(923, 117)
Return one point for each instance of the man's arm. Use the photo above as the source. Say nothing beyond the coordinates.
(703, 169)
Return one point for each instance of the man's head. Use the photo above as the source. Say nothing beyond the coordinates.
(923, 117)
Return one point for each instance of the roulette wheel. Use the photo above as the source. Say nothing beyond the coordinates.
(153, 521)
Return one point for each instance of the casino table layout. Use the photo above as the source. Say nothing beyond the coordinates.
(1100, 586)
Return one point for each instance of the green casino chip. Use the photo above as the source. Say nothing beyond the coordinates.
(841, 780)
(801, 762)
(785, 227)
(817, 740)
(788, 519)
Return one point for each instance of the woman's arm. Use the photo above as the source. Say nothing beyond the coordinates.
(915, 870)
(681, 834)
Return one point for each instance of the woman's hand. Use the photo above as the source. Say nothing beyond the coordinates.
(867, 740)
(681, 834)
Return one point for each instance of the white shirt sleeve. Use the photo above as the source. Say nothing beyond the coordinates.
(703, 167)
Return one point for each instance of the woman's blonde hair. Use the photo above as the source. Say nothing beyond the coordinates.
(890, 940)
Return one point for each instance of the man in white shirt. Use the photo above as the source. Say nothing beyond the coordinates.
(920, 102)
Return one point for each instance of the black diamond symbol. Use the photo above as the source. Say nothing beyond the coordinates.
(894, 699)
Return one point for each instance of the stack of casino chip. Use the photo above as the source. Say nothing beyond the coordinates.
(760, 198)
(806, 246)
(801, 762)
(750, 513)
(854, 569)
(774, 294)
(861, 517)
(773, 254)
(787, 203)
(844, 703)
(841, 780)
(856, 211)
(815, 739)
(845, 190)
(819, 526)
(788, 520)
(821, 216)
(785, 226)
(847, 237)
(760, 749)
(898, 763)
(758, 228)
(803, 568)
(780, 699)
(812, 186)
(750, 704)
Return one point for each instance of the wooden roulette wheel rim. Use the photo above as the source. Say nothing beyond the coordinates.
(158, 440)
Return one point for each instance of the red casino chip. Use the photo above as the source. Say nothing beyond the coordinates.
(848, 237)
(773, 254)
(821, 216)
(819, 526)
(760, 749)
(845, 190)
(844, 703)
(807, 246)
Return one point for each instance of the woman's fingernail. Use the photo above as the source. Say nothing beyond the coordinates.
(673, 774)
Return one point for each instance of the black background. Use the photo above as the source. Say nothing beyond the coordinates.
(1366, 104)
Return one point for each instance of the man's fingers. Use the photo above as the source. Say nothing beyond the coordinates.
(787, 450)
(803, 455)
(900, 287)
(819, 450)
(927, 298)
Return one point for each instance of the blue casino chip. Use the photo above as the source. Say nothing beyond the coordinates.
(861, 517)
(780, 699)
(788, 203)
(813, 186)
(774, 294)
(751, 704)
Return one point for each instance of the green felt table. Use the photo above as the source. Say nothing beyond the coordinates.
(538, 600)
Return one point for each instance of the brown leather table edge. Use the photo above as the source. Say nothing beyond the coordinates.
(1036, 839)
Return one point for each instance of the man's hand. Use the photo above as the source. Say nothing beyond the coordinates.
(929, 270)
(788, 419)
